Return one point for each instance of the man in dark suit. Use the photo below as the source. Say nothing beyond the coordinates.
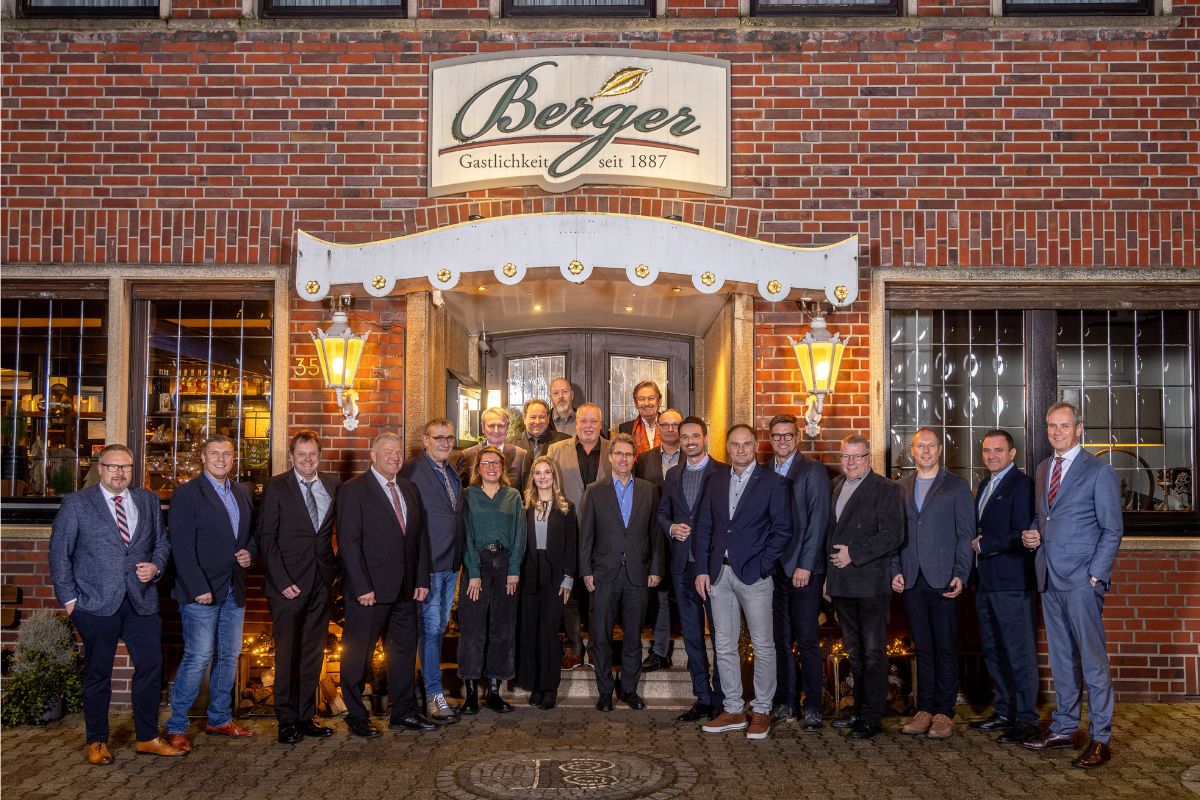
(620, 555)
(1076, 531)
(682, 496)
(495, 429)
(384, 547)
(644, 427)
(107, 549)
(741, 532)
(799, 577)
(213, 543)
(441, 497)
(653, 466)
(538, 434)
(295, 531)
(931, 570)
(1005, 591)
(865, 529)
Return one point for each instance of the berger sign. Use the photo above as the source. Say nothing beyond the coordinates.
(565, 117)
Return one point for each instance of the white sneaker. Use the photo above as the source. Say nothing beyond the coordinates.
(440, 710)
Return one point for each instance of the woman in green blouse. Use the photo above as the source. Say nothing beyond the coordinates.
(487, 609)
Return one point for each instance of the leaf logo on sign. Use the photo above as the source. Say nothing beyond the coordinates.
(623, 81)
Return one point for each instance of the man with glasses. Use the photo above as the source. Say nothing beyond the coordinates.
(495, 430)
(440, 490)
(741, 531)
(295, 530)
(799, 576)
(213, 545)
(653, 466)
(865, 530)
(107, 549)
(538, 434)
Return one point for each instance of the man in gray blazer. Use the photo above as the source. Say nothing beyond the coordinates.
(107, 549)
(620, 556)
(581, 460)
(1076, 532)
(931, 570)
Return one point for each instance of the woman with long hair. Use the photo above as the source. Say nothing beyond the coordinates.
(487, 609)
(547, 574)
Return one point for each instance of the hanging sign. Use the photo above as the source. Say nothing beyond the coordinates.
(562, 118)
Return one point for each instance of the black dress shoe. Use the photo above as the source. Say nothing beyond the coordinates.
(1051, 741)
(360, 727)
(782, 713)
(413, 722)
(655, 662)
(604, 703)
(535, 698)
(634, 701)
(842, 723)
(864, 730)
(288, 734)
(1019, 734)
(549, 700)
(310, 728)
(697, 712)
(812, 720)
(993, 723)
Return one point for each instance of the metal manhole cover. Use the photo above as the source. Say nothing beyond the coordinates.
(585, 773)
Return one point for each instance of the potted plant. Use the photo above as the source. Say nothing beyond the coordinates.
(47, 673)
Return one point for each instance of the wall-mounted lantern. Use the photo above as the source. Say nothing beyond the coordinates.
(819, 356)
(339, 349)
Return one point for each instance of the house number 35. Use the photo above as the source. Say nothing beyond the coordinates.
(306, 366)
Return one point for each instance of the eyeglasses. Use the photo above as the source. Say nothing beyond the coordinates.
(442, 439)
(782, 437)
(489, 464)
(118, 467)
(854, 456)
(669, 425)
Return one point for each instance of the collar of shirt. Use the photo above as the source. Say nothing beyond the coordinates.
(108, 497)
(1069, 456)
(624, 485)
(316, 479)
(999, 476)
(856, 481)
(748, 472)
(383, 482)
(785, 467)
(703, 463)
(220, 487)
(671, 458)
(441, 468)
(567, 420)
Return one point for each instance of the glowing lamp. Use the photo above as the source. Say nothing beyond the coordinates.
(339, 350)
(819, 356)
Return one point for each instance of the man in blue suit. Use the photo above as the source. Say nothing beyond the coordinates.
(1076, 532)
(212, 541)
(1004, 593)
(682, 496)
(800, 576)
(107, 549)
(742, 530)
(931, 569)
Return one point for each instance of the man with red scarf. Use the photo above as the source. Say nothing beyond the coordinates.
(644, 427)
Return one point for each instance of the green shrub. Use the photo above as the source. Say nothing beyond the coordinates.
(47, 666)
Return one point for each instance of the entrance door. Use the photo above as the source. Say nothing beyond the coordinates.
(602, 367)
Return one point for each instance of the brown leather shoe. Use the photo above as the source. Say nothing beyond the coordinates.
(942, 727)
(98, 755)
(760, 726)
(158, 747)
(1051, 741)
(918, 725)
(1094, 755)
(179, 741)
(230, 728)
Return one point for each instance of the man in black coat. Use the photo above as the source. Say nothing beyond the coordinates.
(539, 434)
(620, 556)
(295, 531)
(865, 530)
(384, 548)
(653, 466)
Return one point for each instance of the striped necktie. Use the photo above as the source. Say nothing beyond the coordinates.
(310, 500)
(396, 506)
(1055, 481)
(122, 520)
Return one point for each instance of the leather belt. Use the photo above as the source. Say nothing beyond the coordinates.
(494, 547)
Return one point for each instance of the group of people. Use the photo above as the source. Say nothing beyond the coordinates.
(522, 530)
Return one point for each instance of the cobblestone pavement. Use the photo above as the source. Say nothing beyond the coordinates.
(580, 753)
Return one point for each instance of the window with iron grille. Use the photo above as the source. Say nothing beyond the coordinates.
(334, 8)
(1016, 7)
(90, 8)
(824, 7)
(577, 8)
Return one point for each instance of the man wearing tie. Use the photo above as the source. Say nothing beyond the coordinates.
(384, 547)
(441, 498)
(799, 577)
(538, 434)
(213, 544)
(1076, 533)
(682, 496)
(653, 466)
(1004, 594)
(620, 556)
(931, 569)
(741, 532)
(295, 531)
(107, 549)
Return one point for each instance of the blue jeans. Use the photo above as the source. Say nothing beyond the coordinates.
(207, 630)
(435, 616)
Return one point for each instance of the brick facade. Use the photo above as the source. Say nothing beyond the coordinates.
(951, 140)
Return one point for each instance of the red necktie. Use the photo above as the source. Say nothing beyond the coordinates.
(1055, 480)
(122, 520)
(396, 506)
